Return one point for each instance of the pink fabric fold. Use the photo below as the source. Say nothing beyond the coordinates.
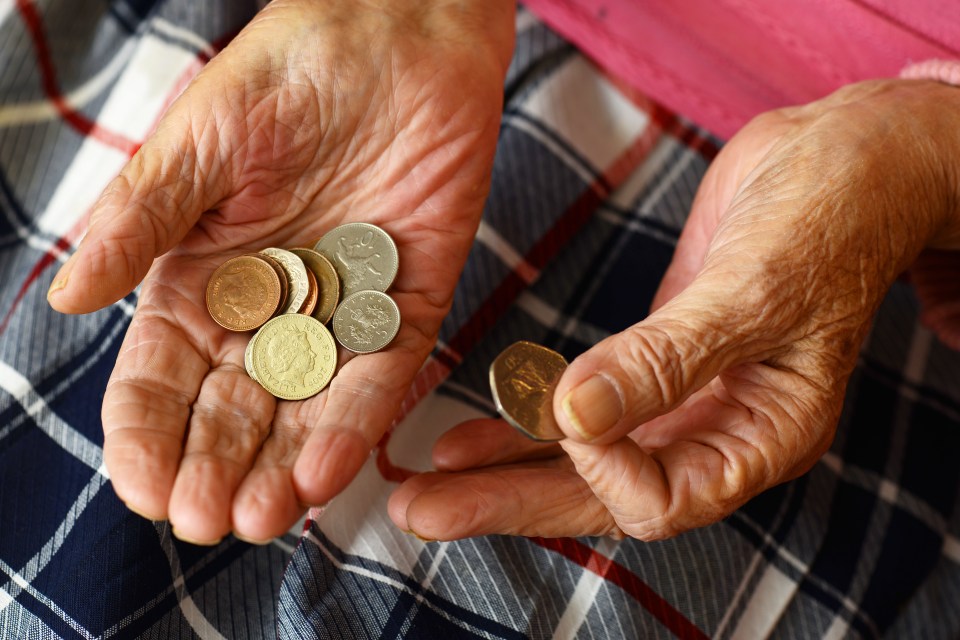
(721, 62)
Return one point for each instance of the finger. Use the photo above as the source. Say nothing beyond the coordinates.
(484, 442)
(361, 402)
(142, 214)
(229, 420)
(265, 505)
(742, 435)
(652, 367)
(548, 501)
(145, 410)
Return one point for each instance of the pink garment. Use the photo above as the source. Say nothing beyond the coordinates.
(721, 62)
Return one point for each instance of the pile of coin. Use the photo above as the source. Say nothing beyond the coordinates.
(288, 296)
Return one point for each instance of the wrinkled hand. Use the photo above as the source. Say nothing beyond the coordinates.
(318, 113)
(736, 381)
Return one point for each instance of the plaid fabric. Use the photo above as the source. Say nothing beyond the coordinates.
(590, 189)
(81, 84)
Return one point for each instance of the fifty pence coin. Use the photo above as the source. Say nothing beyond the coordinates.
(328, 282)
(363, 254)
(523, 379)
(243, 293)
(366, 321)
(296, 277)
(294, 356)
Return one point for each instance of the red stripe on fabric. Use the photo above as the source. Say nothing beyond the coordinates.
(33, 22)
(45, 261)
(616, 573)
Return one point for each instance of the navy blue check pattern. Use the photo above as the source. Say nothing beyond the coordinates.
(865, 545)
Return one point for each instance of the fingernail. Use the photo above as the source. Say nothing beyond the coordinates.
(60, 282)
(57, 285)
(418, 536)
(593, 407)
(203, 543)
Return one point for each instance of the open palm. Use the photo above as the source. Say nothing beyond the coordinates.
(314, 116)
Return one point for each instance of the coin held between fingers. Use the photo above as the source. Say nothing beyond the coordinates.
(523, 379)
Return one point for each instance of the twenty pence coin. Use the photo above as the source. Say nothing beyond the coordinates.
(243, 293)
(366, 321)
(523, 378)
(296, 277)
(328, 282)
(294, 356)
(363, 254)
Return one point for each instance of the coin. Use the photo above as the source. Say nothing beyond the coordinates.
(294, 356)
(243, 293)
(328, 282)
(523, 378)
(313, 294)
(248, 357)
(364, 256)
(296, 277)
(366, 321)
(282, 275)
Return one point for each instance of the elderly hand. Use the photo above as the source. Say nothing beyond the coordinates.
(736, 381)
(318, 113)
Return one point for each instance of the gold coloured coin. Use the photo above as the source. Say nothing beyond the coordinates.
(248, 357)
(294, 356)
(364, 255)
(243, 293)
(366, 321)
(328, 282)
(523, 379)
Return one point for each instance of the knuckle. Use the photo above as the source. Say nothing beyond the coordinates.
(651, 359)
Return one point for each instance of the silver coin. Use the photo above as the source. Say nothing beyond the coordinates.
(296, 273)
(366, 321)
(363, 254)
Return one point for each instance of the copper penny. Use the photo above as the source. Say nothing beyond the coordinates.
(284, 284)
(243, 293)
(328, 282)
(313, 294)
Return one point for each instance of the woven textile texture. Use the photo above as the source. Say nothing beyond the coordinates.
(591, 187)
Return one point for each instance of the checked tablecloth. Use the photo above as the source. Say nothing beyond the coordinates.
(590, 190)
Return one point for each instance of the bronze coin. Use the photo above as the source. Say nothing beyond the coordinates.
(328, 282)
(284, 284)
(313, 294)
(243, 293)
(523, 378)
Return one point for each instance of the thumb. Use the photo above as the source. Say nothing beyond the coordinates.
(142, 214)
(652, 367)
